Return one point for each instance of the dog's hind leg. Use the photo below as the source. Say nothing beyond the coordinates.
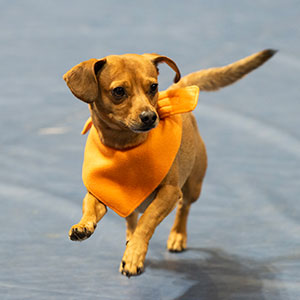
(191, 191)
(92, 212)
(178, 235)
(177, 240)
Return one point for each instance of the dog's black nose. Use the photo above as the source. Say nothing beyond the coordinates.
(148, 117)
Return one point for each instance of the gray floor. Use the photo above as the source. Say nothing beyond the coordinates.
(244, 232)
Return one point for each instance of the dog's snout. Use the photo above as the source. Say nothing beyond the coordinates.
(148, 117)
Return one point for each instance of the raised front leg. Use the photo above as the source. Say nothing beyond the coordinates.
(136, 249)
(92, 212)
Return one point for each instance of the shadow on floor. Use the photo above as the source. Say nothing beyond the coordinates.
(218, 275)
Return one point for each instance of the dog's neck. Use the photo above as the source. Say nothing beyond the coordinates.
(116, 138)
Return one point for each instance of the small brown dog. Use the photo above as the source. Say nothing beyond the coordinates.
(122, 93)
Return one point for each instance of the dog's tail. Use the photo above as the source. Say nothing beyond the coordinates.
(216, 78)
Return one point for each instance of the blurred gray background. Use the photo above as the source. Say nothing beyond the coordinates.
(244, 231)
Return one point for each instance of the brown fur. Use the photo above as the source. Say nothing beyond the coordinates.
(118, 124)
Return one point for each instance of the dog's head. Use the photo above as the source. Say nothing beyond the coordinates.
(121, 89)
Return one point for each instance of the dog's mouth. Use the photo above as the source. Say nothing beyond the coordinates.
(133, 126)
(143, 128)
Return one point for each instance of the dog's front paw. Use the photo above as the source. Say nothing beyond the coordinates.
(176, 242)
(133, 259)
(80, 232)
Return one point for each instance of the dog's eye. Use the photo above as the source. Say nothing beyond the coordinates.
(153, 88)
(118, 92)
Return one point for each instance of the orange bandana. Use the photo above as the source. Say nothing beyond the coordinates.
(123, 179)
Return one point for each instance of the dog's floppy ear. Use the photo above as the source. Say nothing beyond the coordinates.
(156, 59)
(82, 79)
